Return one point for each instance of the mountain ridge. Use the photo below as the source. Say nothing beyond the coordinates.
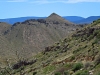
(77, 54)
(55, 17)
(32, 36)
(74, 19)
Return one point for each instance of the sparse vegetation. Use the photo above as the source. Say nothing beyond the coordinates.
(77, 54)
(97, 60)
(82, 73)
(48, 69)
(58, 73)
(77, 66)
(34, 73)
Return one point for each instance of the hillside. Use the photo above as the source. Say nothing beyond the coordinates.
(4, 27)
(77, 54)
(56, 18)
(25, 39)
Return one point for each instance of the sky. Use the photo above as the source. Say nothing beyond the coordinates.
(43, 8)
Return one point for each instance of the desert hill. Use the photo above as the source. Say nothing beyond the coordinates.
(56, 18)
(3, 27)
(25, 39)
(74, 19)
(77, 54)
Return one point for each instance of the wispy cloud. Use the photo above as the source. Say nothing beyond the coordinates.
(49, 1)
(62, 1)
(16, 0)
(40, 1)
(78, 1)
(53, 1)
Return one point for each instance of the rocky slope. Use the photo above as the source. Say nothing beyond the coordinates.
(25, 39)
(77, 54)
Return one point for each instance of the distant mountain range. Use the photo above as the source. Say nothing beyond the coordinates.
(20, 19)
(81, 20)
(87, 20)
(74, 19)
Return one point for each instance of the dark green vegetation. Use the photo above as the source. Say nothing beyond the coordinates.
(77, 54)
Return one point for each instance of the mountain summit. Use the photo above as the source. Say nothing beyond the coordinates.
(56, 18)
(32, 36)
(54, 14)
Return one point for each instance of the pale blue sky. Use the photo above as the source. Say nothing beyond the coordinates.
(42, 8)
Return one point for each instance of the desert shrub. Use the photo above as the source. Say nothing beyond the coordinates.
(97, 60)
(98, 73)
(58, 73)
(63, 70)
(97, 70)
(90, 37)
(75, 51)
(66, 73)
(34, 73)
(85, 46)
(72, 58)
(87, 65)
(78, 50)
(95, 41)
(96, 22)
(77, 66)
(82, 73)
(21, 63)
(97, 33)
(48, 69)
(68, 65)
(3, 72)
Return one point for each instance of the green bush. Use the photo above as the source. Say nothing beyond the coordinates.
(72, 58)
(90, 37)
(97, 33)
(96, 41)
(68, 65)
(66, 73)
(98, 73)
(57, 73)
(48, 69)
(97, 60)
(34, 73)
(82, 73)
(77, 66)
(96, 22)
(75, 51)
(87, 65)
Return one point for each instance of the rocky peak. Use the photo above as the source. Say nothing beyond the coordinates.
(56, 18)
(54, 14)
